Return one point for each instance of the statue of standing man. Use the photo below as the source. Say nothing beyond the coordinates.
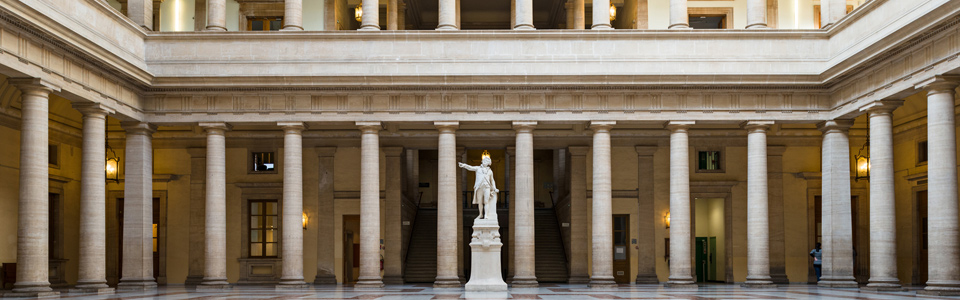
(485, 189)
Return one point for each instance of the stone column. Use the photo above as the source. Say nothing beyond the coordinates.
(392, 261)
(370, 204)
(883, 210)
(32, 222)
(944, 243)
(642, 14)
(292, 15)
(579, 238)
(461, 173)
(371, 17)
(141, 12)
(757, 14)
(198, 171)
(568, 8)
(291, 221)
(679, 19)
(579, 18)
(215, 254)
(392, 14)
(525, 276)
(156, 14)
(93, 194)
(778, 263)
(138, 208)
(602, 273)
(401, 15)
(448, 15)
(523, 15)
(647, 261)
(512, 207)
(200, 15)
(329, 15)
(832, 11)
(326, 268)
(837, 231)
(680, 221)
(216, 15)
(601, 18)
(758, 243)
(446, 206)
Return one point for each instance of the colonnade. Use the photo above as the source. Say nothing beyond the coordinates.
(944, 245)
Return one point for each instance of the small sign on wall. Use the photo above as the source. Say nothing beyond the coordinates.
(565, 225)
(406, 223)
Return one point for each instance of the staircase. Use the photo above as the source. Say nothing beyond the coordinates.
(421, 262)
(551, 258)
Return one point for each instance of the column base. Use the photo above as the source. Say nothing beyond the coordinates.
(950, 288)
(681, 283)
(214, 284)
(524, 282)
(193, 280)
(578, 279)
(369, 284)
(837, 283)
(393, 279)
(92, 287)
(447, 283)
(31, 294)
(779, 278)
(137, 285)
(292, 284)
(647, 279)
(759, 285)
(327, 279)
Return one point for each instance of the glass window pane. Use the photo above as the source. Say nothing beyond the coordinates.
(256, 236)
(255, 208)
(256, 249)
(270, 235)
(271, 208)
(255, 222)
(257, 25)
(275, 25)
(271, 249)
(271, 222)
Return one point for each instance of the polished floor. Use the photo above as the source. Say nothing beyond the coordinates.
(546, 292)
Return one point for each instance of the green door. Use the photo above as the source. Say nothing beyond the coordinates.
(713, 259)
(702, 259)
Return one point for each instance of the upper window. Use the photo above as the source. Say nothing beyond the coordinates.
(922, 152)
(264, 23)
(263, 162)
(264, 228)
(709, 161)
(53, 155)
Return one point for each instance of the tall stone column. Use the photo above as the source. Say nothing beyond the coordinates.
(32, 216)
(944, 242)
(141, 12)
(392, 261)
(757, 14)
(525, 276)
(392, 14)
(292, 15)
(216, 15)
(758, 243)
(523, 15)
(291, 222)
(680, 219)
(602, 273)
(138, 208)
(568, 8)
(778, 260)
(601, 16)
(579, 15)
(832, 11)
(401, 15)
(198, 223)
(446, 206)
(371, 17)
(461, 156)
(647, 261)
(93, 189)
(579, 238)
(326, 268)
(370, 205)
(837, 227)
(215, 253)
(413, 172)
(447, 15)
(200, 15)
(883, 210)
(679, 19)
(512, 247)
(329, 15)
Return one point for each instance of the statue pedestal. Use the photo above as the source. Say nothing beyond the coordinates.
(485, 275)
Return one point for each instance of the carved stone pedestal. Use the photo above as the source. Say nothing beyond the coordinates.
(485, 275)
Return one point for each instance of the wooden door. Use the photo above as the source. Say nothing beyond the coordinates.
(621, 248)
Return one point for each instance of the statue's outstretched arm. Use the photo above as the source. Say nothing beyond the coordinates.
(466, 166)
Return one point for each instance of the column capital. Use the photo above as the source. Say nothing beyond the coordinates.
(578, 150)
(881, 106)
(33, 85)
(939, 84)
(524, 126)
(602, 125)
(646, 150)
(678, 125)
(291, 127)
(835, 125)
(756, 125)
(91, 109)
(326, 151)
(215, 127)
(392, 151)
(135, 127)
(369, 126)
(196, 152)
(447, 126)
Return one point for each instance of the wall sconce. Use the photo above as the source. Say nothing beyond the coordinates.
(613, 12)
(666, 219)
(304, 220)
(112, 165)
(862, 162)
(358, 12)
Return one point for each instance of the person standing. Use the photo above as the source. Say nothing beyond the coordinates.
(817, 255)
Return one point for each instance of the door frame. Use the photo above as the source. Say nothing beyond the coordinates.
(715, 190)
(114, 243)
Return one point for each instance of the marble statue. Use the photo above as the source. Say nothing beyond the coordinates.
(485, 189)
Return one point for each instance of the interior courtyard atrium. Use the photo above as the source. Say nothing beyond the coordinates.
(629, 149)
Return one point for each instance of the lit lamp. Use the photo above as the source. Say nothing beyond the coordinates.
(112, 166)
(358, 12)
(304, 220)
(613, 12)
(666, 219)
(862, 161)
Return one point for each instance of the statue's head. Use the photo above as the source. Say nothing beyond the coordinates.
(485, 162)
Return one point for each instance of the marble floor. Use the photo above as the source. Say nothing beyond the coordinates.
(546, 292)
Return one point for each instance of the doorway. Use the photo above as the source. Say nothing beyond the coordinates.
(709, 239)
(351, 249)
(158, 239)
(920, 273)
(621, 248)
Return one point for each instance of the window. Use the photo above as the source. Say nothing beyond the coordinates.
(922, 152)
(263, 162)
(53, 156)
(264, 23)
(264, 230)
(708, 161)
